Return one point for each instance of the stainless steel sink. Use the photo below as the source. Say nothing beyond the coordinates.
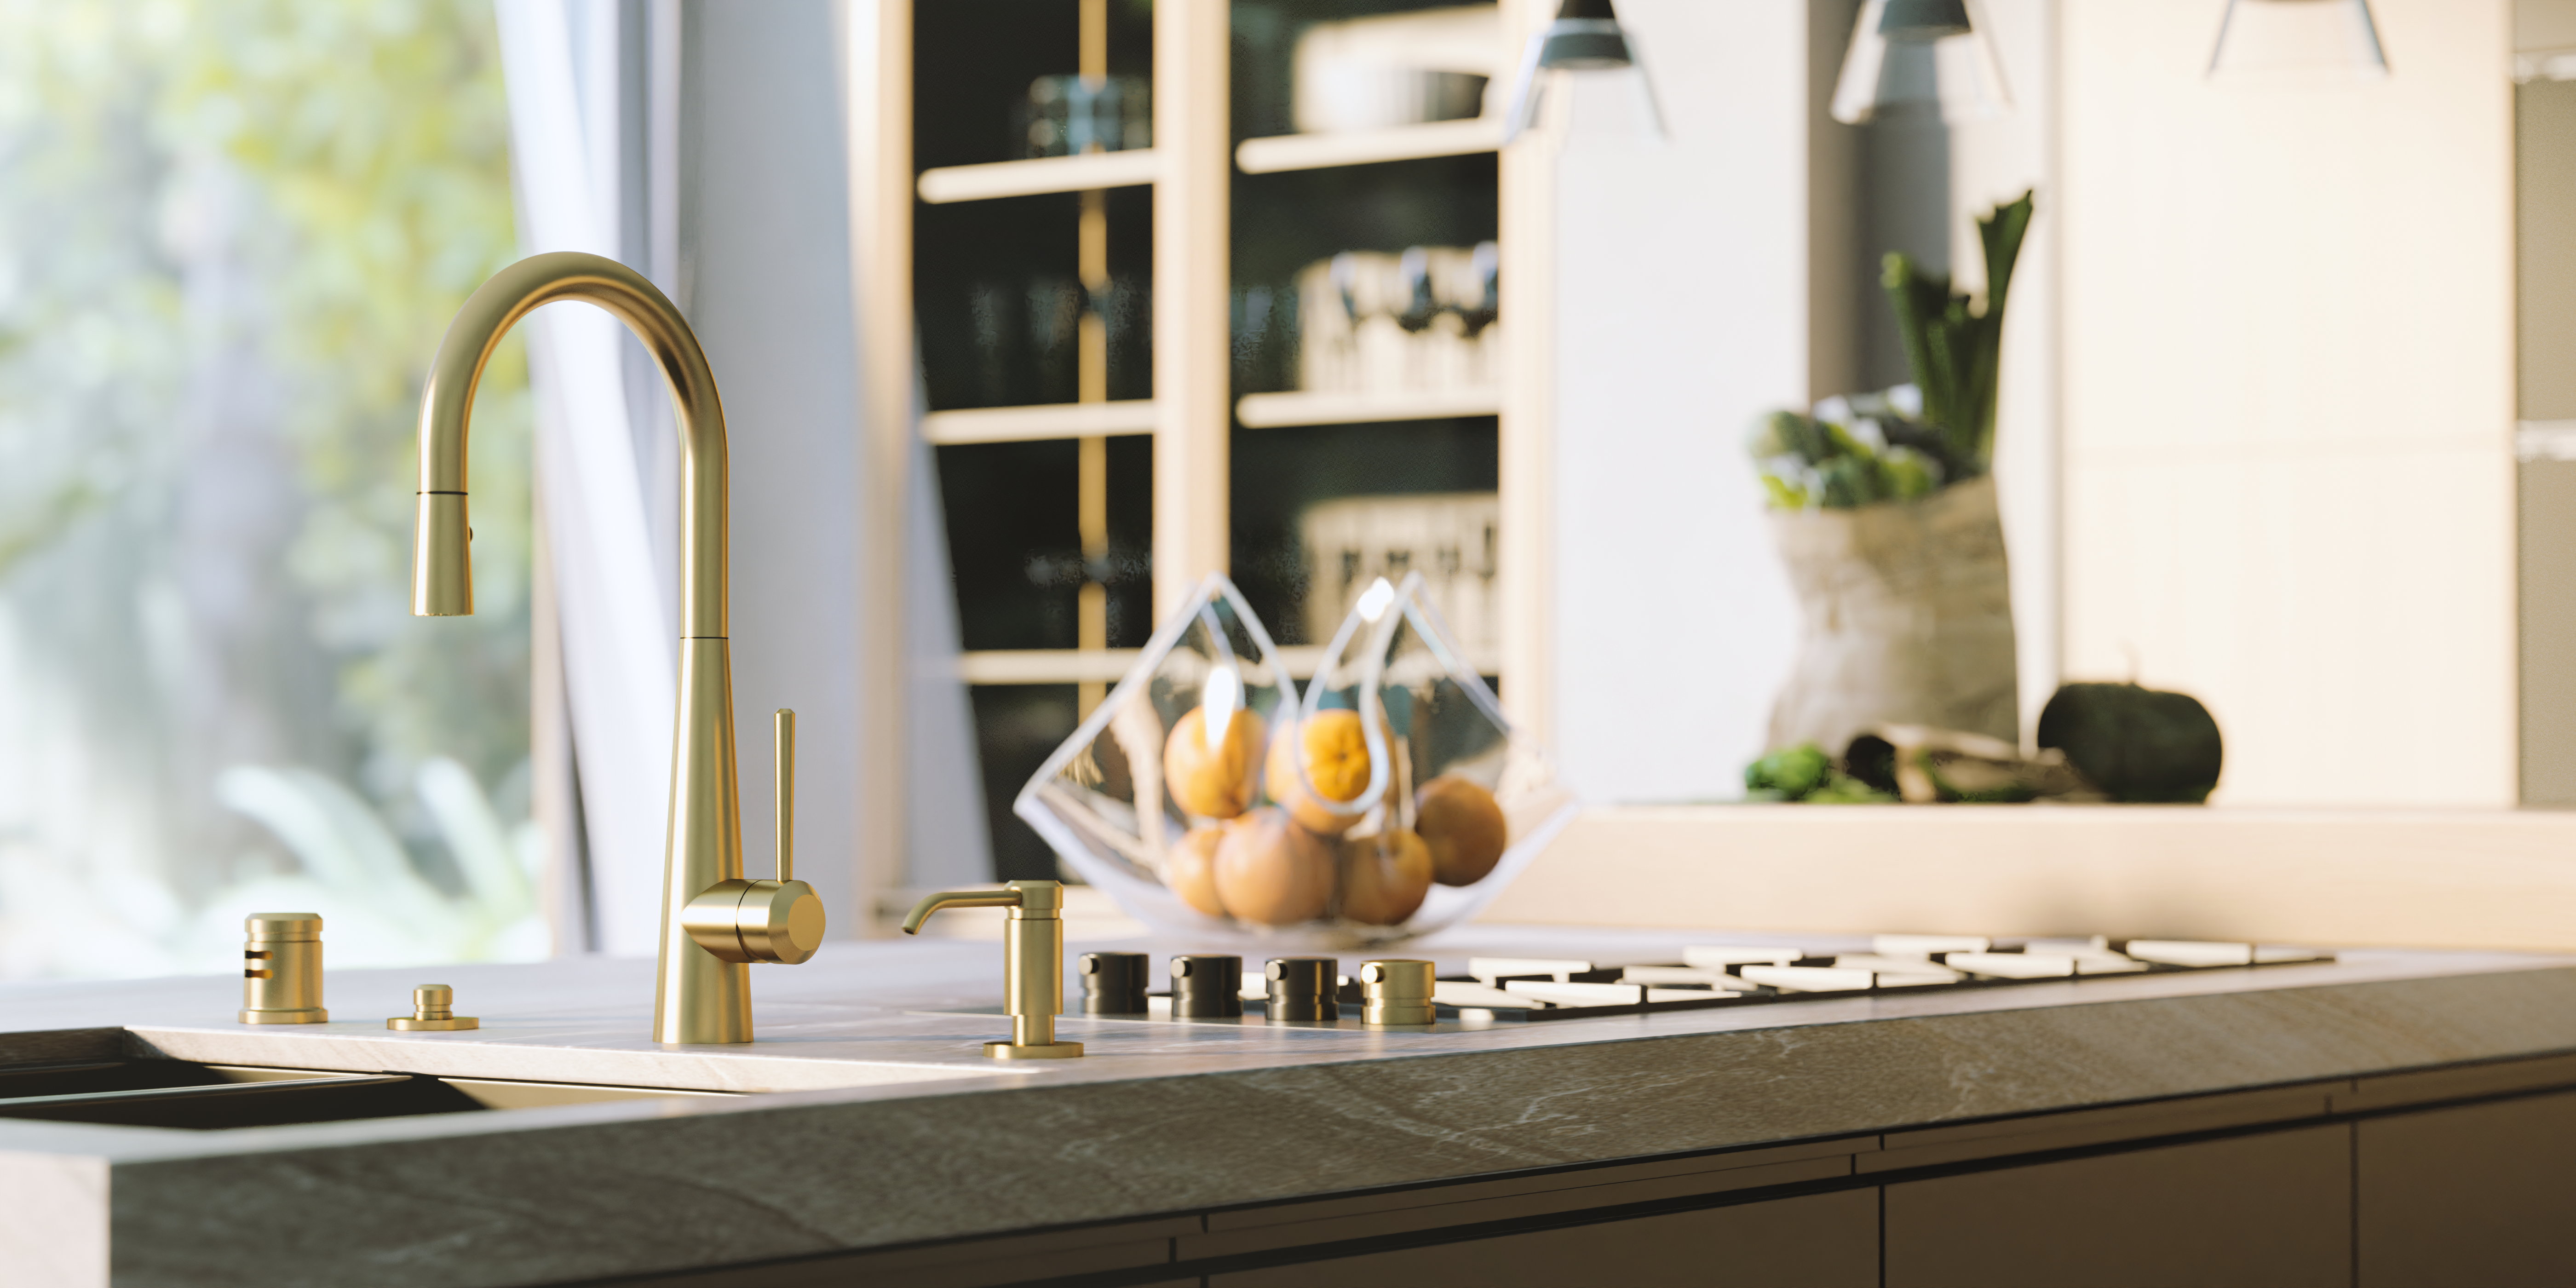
(214, 1097)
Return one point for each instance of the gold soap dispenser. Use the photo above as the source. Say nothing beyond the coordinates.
(1032, 962)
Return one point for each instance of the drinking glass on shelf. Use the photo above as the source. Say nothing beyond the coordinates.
(1485, 266)
(1420, 321)
(1071, 115)
(1422, 305)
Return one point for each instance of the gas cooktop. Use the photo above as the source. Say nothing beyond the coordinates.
(1513, 990)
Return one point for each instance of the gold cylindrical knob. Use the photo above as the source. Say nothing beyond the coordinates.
(1396, 991)
(282, 968)
(433, 1009)
(763, 921)
(756, 921)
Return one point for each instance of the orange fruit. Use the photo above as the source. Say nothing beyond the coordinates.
(1463, 826)
(1335, 755)
(1271, 871)
(1213, 782)
(1189, 869)
(1384, 877)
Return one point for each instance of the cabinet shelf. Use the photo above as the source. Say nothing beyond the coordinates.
(1040, 422)
(1301, 660)
(1046, 665)
(1368, 147)
(1281, 411)
(1039, 176)
(1110, 665)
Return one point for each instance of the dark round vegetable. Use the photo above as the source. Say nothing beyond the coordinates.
(2136, 744)
(1872, 760)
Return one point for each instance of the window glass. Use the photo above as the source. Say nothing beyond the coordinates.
(231, 235)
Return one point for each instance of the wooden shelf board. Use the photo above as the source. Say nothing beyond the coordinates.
(1044, 421)
(1046, 665)
(944, 184)
(1302, 659)
(1278, 411)
(1368, 147)
(1108, 665)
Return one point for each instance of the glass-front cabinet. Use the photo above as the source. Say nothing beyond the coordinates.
(1082, 289)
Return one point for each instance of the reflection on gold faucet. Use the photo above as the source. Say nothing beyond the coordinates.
(713, 921)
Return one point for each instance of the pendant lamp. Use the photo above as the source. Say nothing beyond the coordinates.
(1585, 41)
(2266, 39)
(1920, 55)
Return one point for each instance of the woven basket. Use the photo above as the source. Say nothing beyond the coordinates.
(1906, 618)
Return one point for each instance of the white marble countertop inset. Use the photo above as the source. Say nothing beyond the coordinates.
(890, 1127)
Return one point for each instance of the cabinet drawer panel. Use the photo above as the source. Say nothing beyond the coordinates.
(1816, 1241)
(2475, 1195)
(2268, 1211)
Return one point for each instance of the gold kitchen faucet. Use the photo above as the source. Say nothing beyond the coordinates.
(714, 922)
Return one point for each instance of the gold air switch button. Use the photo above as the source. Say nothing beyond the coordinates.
(1396, 992)
(432, 1010)
(282, 968)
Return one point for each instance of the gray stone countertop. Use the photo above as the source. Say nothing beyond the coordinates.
(888, 1126)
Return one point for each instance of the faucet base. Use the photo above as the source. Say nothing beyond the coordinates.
(1033, 1050)
(299, 1015)
(701, 998)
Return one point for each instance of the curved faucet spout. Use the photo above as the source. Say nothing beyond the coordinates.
(698, 997)
(441, 584)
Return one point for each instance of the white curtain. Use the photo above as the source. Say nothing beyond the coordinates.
(594, 98)
(620, 618)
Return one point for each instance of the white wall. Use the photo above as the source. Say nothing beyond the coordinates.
(1991, 162)
(768, 245)
(2273, 420)
(1682, 312)
(2289, 398)
(765, 230)
(1706, 280)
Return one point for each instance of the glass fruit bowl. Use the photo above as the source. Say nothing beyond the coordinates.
(1211, 799)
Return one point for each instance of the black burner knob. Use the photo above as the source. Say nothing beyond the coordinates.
(1302, 988)
(1114, 983)
(1206, 988)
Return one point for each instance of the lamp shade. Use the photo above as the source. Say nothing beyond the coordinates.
(2297, 39)
(1920, 55)
(1584, 39)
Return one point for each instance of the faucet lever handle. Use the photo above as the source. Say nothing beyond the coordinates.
(741, 920)
(784, 723)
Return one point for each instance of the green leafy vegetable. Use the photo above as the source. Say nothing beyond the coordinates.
(1954, 348)
(1815, 463)
(1806, 773)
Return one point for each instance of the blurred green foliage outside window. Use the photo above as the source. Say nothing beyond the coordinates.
(232, 233)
